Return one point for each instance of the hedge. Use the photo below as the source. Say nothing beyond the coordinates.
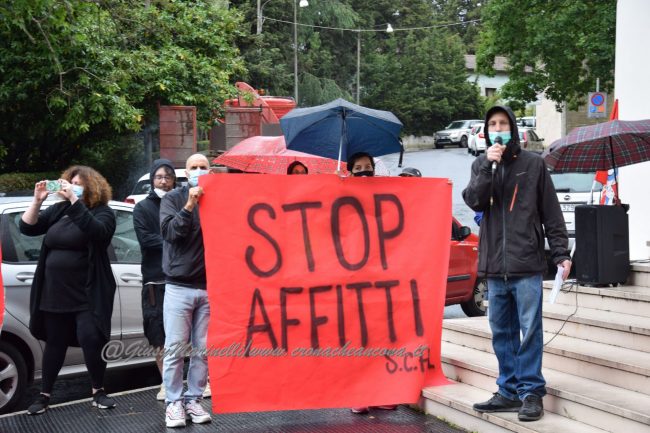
(12, 182)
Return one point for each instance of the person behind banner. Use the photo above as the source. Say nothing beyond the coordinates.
(146, 222)
(297, 167)
(71, 299)
(186, 309)
(410, 172)
(362, 164)
(513, 189)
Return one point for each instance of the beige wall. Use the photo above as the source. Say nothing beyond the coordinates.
(549, 122)
(553, 125)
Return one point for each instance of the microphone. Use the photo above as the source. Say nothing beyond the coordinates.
(497, 140)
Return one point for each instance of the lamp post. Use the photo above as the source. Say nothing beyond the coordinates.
(296, 3)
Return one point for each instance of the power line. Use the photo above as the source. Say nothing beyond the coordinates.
(374, 30)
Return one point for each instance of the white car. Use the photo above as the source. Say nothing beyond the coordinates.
(573, 189)
(142, 188)
(476, 141)
(20, 353)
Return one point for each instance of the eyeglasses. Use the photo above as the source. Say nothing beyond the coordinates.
(159, 177)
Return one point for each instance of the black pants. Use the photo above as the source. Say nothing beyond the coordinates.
(61, 329)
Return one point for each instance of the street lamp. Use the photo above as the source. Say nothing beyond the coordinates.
(302, 4)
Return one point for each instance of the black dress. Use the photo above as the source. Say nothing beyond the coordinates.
(66, 267)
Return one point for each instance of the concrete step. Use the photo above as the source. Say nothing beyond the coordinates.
(640, 275)
(633, 300)
(616, 329)
(625, 368)
(585, 400)
(454, 403)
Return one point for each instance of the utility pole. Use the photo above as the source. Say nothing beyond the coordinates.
(358, 65)
(295, 50)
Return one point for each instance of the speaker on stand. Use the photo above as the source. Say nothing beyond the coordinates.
(602, 254)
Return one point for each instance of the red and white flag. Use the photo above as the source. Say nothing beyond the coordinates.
(609, 193)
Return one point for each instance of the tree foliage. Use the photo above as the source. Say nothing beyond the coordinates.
(557, 47)
(420, 74)
(76, 72)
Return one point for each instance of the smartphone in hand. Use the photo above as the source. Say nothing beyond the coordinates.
(52, 185)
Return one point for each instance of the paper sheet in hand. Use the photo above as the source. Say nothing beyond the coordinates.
(557, 284)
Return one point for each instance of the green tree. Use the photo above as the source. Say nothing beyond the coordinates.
(421, 77)
(461, 11)
(75, 72)
(557, 47)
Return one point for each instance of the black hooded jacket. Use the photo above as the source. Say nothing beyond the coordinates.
(523, 210)
(146, 221)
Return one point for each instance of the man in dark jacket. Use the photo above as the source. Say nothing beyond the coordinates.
(146, 221)
(513, 189)
(186, 309)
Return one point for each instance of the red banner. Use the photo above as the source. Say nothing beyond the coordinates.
(324, 291)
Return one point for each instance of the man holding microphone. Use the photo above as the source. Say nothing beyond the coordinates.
(513, 189)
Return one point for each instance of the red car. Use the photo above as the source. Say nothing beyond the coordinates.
(463, 285)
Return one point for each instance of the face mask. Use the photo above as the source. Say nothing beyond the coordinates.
(193, 179)
(364, 173)
(78, 190)
(159, 192)
(505, 136)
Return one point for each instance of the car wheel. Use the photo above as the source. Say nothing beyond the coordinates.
(439, 146)
(469, 149)
(476, 306)
(463, 141)
(13, 377)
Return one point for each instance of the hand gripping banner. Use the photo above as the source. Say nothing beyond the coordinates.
(324, 291)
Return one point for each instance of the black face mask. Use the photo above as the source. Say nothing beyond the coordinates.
(364, 173)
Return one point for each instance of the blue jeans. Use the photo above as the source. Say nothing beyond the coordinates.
(185, 314)
(516, 305)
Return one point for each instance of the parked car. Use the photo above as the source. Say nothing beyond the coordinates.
(142, 188)
(573, 189)
(20, 353)
(457, 132)
(476, 143)
(529, 140)
(463, 285)
(528, 121)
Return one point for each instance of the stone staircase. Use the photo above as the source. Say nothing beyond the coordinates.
(597, 368)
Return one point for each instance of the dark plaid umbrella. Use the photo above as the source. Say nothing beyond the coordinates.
(600, 147)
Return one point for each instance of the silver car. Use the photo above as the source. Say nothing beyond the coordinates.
(20, 353)
(457, 132)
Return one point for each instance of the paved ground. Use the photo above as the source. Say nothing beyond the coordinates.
(452, 163)
(140, 412)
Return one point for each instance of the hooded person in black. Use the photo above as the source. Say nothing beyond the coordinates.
(146, 221)
(514, 191)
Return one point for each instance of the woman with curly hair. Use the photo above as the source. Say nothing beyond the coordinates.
(71, 300)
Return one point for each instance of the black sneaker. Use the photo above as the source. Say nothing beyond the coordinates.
(102, 401)
(39, 406)
(498, 403)
(532, 409)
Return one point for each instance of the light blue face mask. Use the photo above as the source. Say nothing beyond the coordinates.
(78, 190)
(505, 136)
(193, 176)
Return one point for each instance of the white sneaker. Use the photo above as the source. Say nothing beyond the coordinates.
(162, 393)
(196, 413)
(175, 414)
(207, 392)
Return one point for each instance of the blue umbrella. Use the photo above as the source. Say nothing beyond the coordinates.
(340, 129)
